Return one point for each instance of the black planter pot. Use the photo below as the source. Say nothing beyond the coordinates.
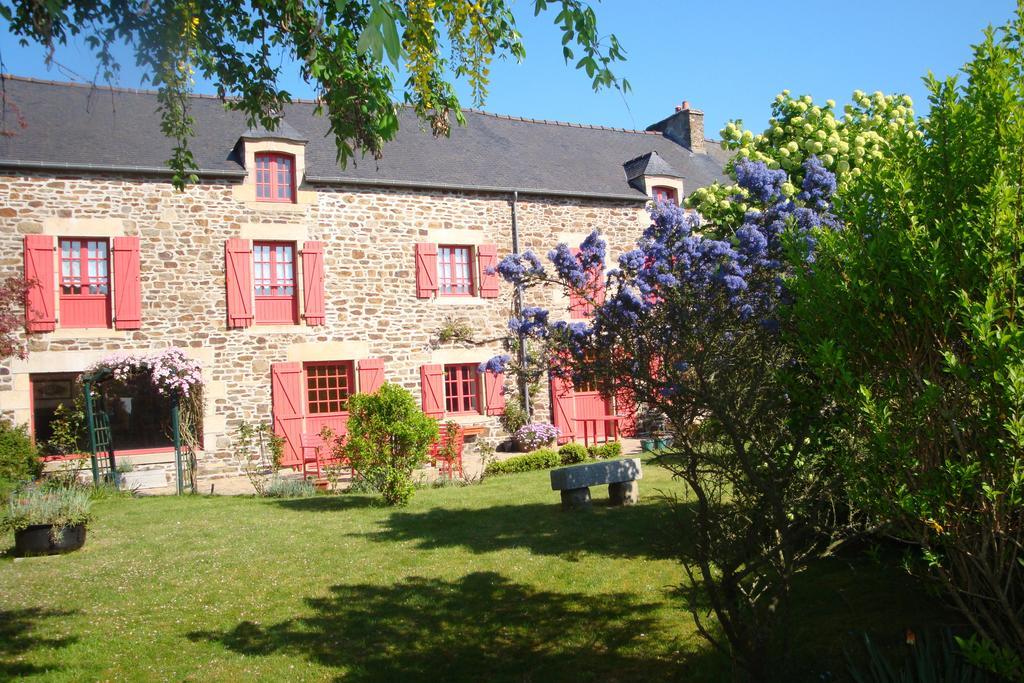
(36, 540)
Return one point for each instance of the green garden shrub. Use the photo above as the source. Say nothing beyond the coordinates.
(572, 453)
(606, 451)
(19, 458)
(911, 319)
(541, 459)
(388, 437)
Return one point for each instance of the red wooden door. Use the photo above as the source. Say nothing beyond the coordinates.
(591, 404)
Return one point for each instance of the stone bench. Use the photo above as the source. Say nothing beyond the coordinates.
(621, 476)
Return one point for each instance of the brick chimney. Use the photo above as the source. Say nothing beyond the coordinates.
(685, 127)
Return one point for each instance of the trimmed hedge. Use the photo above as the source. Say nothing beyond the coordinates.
(573, 453)
(540, 459)
(545, 458)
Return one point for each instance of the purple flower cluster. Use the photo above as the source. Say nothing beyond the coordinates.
(577, 270)
(536, 434)
(518, 267)
(763, 183)
(496, 364)
(170, 371)
(574, 336)
(681, 277)
(532, 322)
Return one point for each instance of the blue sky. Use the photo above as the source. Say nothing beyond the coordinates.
(729, 61)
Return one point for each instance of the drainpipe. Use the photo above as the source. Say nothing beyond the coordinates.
(517, 306)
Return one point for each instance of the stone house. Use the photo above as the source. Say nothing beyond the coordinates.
(296, 282)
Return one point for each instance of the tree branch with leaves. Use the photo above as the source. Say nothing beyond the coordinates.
(349, 51)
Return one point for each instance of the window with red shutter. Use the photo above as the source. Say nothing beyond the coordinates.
(273, 268)
(461, 389)
(84, 282)
(328, 387)
(665, 194)
(275, 177)
(455, 271)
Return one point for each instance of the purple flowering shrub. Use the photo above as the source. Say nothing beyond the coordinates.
(692, 327)
(536, 434)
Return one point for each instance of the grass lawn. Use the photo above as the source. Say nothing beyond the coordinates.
(489, 582)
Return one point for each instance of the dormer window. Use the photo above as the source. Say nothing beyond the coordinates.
(275, 177)
(662, 193)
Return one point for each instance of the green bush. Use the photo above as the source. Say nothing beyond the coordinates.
(911, 321)
(540, 459)
(606, 451)
(572, 453)
(388, 437)
(19, 458)
(514, 416)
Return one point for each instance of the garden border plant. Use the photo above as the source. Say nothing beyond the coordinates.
(55, 510)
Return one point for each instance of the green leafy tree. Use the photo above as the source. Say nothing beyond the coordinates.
(350, 51)
(912, 317)
(388, 437)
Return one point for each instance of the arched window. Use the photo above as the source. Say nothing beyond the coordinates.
(662, 193)
(275, 177)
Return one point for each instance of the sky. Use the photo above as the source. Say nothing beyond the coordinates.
(729, 60)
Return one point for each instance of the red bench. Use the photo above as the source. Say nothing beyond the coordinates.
(590, 428)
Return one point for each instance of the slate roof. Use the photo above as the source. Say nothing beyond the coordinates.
(649, 164)
(60, 125)
(284, 131)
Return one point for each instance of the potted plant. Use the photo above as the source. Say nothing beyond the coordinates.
(533, 436)
(47, 521)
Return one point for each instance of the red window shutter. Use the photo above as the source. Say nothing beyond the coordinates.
(487, 256)
(39, 305)
(625, 405)
(371, 375)
(563, 407)
(238, 271)
(313, 282)
(127, 284)
(432, 389)
(286, 401)
(426, 270)
(494, 383)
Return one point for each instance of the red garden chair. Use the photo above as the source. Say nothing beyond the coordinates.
(317, 455)
(448, 464)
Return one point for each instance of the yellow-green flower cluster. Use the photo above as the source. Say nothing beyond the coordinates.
(798, 129)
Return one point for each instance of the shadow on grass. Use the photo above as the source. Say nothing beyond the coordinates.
(478, 627)
(331, 503)
(17, 638)
(637, 531)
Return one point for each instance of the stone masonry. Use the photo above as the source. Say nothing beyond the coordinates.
(371, 305)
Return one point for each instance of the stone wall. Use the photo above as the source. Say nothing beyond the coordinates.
(371, 303)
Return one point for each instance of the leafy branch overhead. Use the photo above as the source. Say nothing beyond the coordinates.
(349, 51)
